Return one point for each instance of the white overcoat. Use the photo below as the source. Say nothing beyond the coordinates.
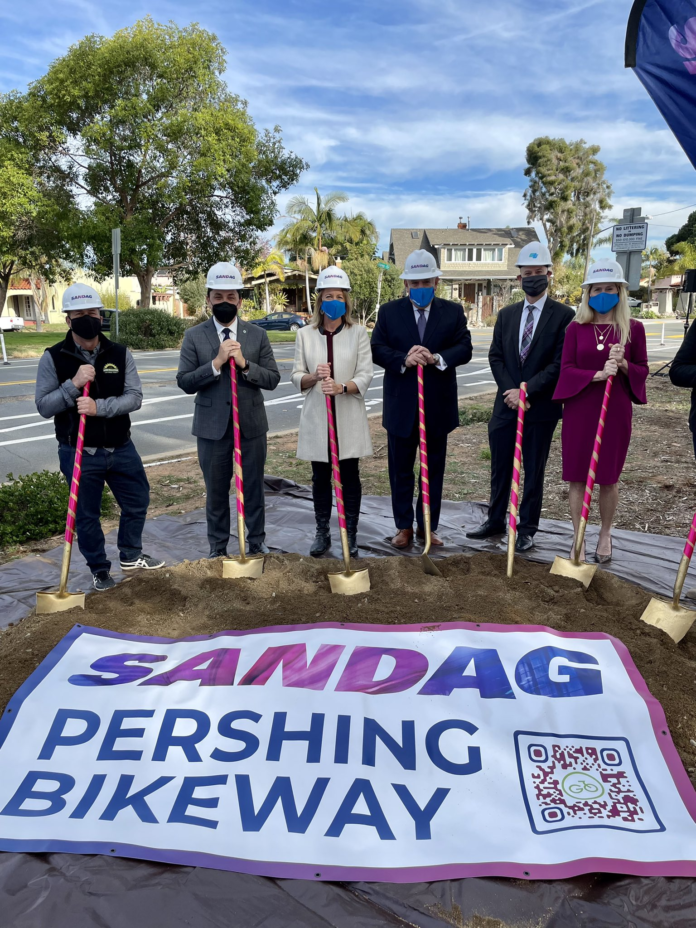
(352, 361)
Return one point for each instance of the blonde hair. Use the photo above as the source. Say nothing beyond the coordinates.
(622, 312)
(318, 315)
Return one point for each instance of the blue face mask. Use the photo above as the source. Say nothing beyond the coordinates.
(422, 296)
(334, 309)
(603, 302)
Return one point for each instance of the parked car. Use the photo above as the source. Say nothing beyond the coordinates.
(633, 303)
(281, 322)
(107, 316)
(11, 323)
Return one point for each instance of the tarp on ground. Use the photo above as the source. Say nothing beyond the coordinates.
(650, 561)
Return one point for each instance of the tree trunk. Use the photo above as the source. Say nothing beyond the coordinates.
(6, 271)
(145, 280)
(268, 296)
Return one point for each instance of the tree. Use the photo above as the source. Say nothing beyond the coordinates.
(655, 261)
(141, 130)
(193, 293)
(567, 282)
(687, 233)
(317, 229)
(566, 191)
(686, 260)
(272, 263)
(364, 277)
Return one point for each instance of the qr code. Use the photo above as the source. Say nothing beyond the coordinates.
(575, 781)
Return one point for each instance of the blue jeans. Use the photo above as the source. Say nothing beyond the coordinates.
(123, 472)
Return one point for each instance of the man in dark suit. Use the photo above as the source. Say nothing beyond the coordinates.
(419, 329)
(526, 347)
(207, 352)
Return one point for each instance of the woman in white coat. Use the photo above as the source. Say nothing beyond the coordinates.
(333, 358)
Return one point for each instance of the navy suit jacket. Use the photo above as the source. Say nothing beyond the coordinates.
(393, 337)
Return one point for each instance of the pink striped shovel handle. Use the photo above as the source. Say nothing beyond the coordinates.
(238, 473)
(422, 443)
(333, 447)
(76, 474)
(592, 472)
(516, 471)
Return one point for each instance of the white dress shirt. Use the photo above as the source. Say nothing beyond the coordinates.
(233, 335)
(536, 310)
(441, 364)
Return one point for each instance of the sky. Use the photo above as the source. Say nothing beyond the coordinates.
(419, 110)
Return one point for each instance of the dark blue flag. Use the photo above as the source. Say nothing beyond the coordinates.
(661, 48)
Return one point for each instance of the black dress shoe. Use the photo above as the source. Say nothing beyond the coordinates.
(485, 530)
(214, 554)
(524, 543)
(258, 548)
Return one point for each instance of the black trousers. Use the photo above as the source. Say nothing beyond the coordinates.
(322, 491)
(536, 444)
(402, 457)
(217, 463)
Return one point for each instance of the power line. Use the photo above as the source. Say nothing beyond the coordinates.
(669, 212)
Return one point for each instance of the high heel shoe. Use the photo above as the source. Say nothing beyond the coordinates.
(604, 558)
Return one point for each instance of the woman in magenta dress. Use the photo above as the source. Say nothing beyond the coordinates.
(602, 340)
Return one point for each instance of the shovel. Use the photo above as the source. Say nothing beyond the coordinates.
(243, 566)
(62, 600)
(671, 617)
(515, 493)
(349, 582)
(567, 567)
(428, 565)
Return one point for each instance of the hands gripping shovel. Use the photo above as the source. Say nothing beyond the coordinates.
(242, 566)
(349, 582)
(516, 469)
(61, 599)
(567, 567)
(428, 565)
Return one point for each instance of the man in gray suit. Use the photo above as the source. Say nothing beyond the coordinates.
(207, 352)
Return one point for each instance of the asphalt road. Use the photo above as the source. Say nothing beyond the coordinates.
(162, 427)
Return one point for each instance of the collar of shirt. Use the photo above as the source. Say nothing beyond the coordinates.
(416, 309)
(534, 306)
(232, 327)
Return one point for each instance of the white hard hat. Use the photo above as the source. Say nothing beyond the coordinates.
(333, 277)
(420, 265)
(605, 272)
(224, 276)
(534, 255)
(80, 296)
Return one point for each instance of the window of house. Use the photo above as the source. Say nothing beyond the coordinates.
(472, 255)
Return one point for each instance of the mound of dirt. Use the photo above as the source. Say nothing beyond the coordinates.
(193, 599)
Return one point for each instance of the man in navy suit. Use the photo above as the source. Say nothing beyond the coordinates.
(419, 329)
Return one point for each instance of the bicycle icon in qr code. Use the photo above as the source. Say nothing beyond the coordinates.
(582, 786)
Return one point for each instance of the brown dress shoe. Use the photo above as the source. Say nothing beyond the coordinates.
(403, 538)
(435, 540)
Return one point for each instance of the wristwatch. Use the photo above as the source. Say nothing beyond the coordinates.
(344, 388)
(437, 358)
(246, 367)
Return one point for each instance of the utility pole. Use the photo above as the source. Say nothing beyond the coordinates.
(306, 271)
(590, 240)
(116, 251)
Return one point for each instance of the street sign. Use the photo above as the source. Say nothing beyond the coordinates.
(629, 236)
(385, 267)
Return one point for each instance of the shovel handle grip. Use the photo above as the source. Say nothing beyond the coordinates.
(422, 442)
(238, 473)
(592, 473)
(335, 466)
(691, 540)
(77, 471)
(517, 460)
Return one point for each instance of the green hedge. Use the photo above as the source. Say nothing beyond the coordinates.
(150, 328)
(35, 506)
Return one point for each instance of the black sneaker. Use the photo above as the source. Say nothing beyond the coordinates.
(214, 554)
(103, 580)
(144, 562)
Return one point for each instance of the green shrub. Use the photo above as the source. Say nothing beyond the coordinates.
(475, 413)
(648, 314)
(151, 328)
(485, 454)
(108, 298)
(35, 506)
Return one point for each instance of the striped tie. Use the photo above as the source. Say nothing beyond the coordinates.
(527, 335)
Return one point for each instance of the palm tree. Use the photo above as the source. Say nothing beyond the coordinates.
(311, 225)
(271, 264)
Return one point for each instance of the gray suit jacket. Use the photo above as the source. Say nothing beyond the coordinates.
(213, 394)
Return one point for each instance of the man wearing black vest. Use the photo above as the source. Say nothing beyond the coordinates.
(87, 356)
(418, 329)
(526, 347)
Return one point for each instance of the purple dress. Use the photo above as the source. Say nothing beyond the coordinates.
(582, 400)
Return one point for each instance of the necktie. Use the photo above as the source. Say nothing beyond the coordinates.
(527, 335)
(422, 322)
(225, 334)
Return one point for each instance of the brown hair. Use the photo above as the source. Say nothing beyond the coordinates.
(317, 315)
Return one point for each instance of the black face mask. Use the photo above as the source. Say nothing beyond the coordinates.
(535, 286)
(87, 327)
(224, 312)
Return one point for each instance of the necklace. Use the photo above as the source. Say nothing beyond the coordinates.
(601, 336)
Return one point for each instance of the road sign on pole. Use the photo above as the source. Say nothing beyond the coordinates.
(629, 240)
(116, 251)
(383, 265)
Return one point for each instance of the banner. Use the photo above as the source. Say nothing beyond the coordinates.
(661, 48)
(349, 752)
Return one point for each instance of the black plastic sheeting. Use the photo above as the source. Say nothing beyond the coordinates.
(78, 891)
(651, 561)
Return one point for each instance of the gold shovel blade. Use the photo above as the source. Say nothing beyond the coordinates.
(234, 568)
(674, 621)
(429, 567)
(564, 567)
(58, 602)
(349, 584)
